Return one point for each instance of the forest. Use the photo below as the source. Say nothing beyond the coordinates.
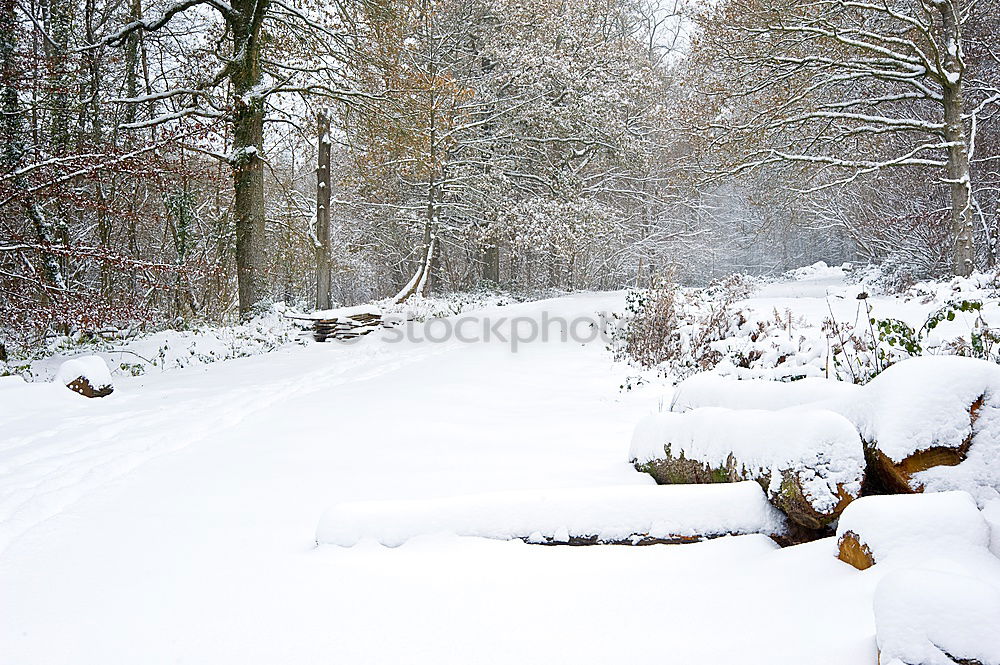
(190, 160)
(451, 332)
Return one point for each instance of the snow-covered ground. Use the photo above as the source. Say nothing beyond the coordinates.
(175, 520)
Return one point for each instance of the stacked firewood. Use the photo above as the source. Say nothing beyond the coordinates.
(346, 327)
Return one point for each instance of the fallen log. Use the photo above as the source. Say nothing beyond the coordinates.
(809, 463)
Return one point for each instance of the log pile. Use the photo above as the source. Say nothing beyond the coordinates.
(346, 327)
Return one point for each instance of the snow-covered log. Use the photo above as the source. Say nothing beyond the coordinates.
(636, 514)
(87, 375)
(932, 423)
(932, 617)
(810, 462)
(875, 528)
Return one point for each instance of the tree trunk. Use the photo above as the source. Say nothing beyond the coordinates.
(491, 264)
(959, 174)
(13, 152)
(247, 165)
(323, 215)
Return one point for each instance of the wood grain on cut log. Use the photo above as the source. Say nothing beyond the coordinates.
(888, 476)
(851, 550)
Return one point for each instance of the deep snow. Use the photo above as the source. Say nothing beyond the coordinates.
(626, 513)
(174, 521)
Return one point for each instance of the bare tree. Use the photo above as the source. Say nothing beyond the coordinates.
(842, 89)
(264, 48)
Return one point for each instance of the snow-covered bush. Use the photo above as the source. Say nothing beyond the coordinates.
(860, 353)
(133, 354)
(418, 308)
(675, 329)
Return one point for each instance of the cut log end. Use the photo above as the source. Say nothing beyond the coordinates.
(792, 500)
(889, 477)
(82, 386)
(851, 550)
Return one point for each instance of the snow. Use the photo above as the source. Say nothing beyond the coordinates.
(929, 617)
(92, 368)
(175, 521)
(131, 353)
(979, 472)
(821, 447)
(609, 513)
(12, 381)
(345, 312)
(991, 513)
(912, 524)
(817, 280)
(924, 402)
(708, 389)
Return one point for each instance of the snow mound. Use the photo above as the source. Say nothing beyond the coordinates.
(928, 617)
(991, 513)
(606, 514)
(818, 270)
(346, 312)
(921, 403)
(821, 449)
(706, 389)
(11, 382)
(90, 369)
(913, 523)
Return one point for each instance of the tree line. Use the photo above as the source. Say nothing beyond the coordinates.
(168, 161)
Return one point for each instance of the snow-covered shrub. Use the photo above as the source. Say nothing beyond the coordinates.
(131, 353)
(810, 462)
(860, 353)
(418, 308)
(652, 334)
(675, 329)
